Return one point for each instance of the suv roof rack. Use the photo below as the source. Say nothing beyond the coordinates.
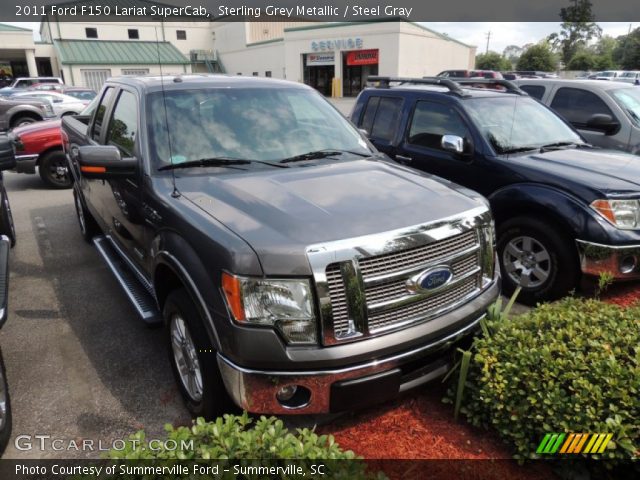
(454, 86)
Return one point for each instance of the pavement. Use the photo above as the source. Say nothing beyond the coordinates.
(343, 104)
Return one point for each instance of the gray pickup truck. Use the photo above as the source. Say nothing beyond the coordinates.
(16, 112)
(295, 268)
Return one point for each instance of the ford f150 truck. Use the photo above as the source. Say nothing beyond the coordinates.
(296, 269)
(562, 206)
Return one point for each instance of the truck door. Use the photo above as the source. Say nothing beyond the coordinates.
(123, 198)
(381, 119)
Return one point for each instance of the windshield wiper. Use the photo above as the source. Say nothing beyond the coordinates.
(518, 149)
(557, 146)
(218, 162)
(317, 154)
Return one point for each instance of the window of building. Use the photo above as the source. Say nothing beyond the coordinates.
(536, 91)
(181, 34)
(102, 110)
(94, 78)
(134, 34)
(381, 117)
(123, 126)
(135, 71)
(267, 73)
(239, 73)
(255, 74)
(577, 105)
(91, 32)
(431, 121)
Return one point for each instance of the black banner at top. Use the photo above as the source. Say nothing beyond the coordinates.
(311, 10)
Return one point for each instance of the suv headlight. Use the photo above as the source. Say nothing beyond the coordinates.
(624, 214)
(285, 304)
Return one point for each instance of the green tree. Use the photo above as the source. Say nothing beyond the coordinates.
(627, 51)
(578, 28)
(492, 61)
(538, 57)
(583, 60)
(512, 53)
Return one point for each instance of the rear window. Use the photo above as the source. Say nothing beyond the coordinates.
(381, 117)
(535, 91)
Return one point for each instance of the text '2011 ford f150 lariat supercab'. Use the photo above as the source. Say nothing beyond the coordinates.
(296, 269)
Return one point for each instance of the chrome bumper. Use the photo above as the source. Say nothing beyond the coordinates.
(26, 163)
(255, 391)
(623, 262)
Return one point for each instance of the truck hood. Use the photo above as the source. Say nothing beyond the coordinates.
(53, 125)
(592, 169)
(280, 212)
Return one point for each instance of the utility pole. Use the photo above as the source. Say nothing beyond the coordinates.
(488, 38)
(626, 43)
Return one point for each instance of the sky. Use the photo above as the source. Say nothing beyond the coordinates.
(475, 33)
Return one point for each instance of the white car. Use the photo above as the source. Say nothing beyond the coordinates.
(630, 77)
(62, 104)
(608, 74)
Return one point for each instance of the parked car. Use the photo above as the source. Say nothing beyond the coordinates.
(22, 111)
(629, 77)
(62, 104)
(22, 83)
(607, 114)
(562, 207)
(295, 268)
(7, 240)
(485, 74)
(454, 74)
(81, 93)
(607, 75)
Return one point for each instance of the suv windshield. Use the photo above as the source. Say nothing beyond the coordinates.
(515, 123)
(260, 124)
(629, 101)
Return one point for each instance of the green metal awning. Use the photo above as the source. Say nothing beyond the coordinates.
(118, 52)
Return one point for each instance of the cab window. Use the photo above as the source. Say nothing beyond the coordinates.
(123, 127)
(101, 112)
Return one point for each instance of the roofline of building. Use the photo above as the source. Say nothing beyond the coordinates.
(14, 28)
(264, 42)
(57, 41)
(382, 20)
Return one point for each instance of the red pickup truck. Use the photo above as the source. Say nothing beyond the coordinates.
(40, 145)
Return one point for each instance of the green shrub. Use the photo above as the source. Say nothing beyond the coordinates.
(571, 366)
(238, 440)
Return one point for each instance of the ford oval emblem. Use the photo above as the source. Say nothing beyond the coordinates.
(429, 280)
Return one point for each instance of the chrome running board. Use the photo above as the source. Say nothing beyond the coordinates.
(140, 297)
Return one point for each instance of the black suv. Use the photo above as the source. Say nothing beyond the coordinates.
(562, 207)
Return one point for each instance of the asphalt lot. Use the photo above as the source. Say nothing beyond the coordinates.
(80, 363)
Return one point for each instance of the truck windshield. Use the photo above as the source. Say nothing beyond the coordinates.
(515, 123)
(629, 101)
(265, 124)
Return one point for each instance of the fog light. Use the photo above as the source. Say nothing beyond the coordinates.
(628, 264)
(293, 396)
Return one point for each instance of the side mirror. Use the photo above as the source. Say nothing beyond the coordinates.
(104, 162)
(603, 122)
(7, 155)
(453, 144)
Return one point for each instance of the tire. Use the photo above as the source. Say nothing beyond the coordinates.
(23, 120)
(537, 256)
(7, 227)
(54, 170)
(5, 409)
(88, 226)
(193, 360)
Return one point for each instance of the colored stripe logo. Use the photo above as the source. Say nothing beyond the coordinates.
(574, 443)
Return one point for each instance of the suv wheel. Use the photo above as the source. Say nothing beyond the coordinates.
(54, 170)
(536, 256)
(7, 227)
(88, 226)
(24, 120)
(193, 359)
(5, 408)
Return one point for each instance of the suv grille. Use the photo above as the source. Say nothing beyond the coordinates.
(388, 303)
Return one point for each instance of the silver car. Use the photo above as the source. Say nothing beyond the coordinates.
(606, 114)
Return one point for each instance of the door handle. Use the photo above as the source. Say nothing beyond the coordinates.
(403, 159)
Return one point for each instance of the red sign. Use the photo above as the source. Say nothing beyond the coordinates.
(362, 57)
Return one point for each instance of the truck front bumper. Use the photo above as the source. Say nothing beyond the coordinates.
(348, 388)
(26, 163)
(623, 262)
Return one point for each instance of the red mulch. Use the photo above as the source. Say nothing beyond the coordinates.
(419, 426)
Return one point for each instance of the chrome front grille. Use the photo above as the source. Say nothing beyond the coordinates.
(367, 286)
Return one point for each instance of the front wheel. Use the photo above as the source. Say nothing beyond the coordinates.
(7, 227)
(538, 257)
(54, 170)
(193, 359)
(88, 226)
(5, 408)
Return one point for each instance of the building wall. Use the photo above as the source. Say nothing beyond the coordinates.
(423, 53)
(74, 74)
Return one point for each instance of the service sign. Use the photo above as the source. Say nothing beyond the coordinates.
(363, 57)
(337, 44)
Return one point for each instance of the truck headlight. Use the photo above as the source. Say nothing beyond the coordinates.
(285, 304)
(624, 214)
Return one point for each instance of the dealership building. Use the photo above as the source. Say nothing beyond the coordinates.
(334, 58)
